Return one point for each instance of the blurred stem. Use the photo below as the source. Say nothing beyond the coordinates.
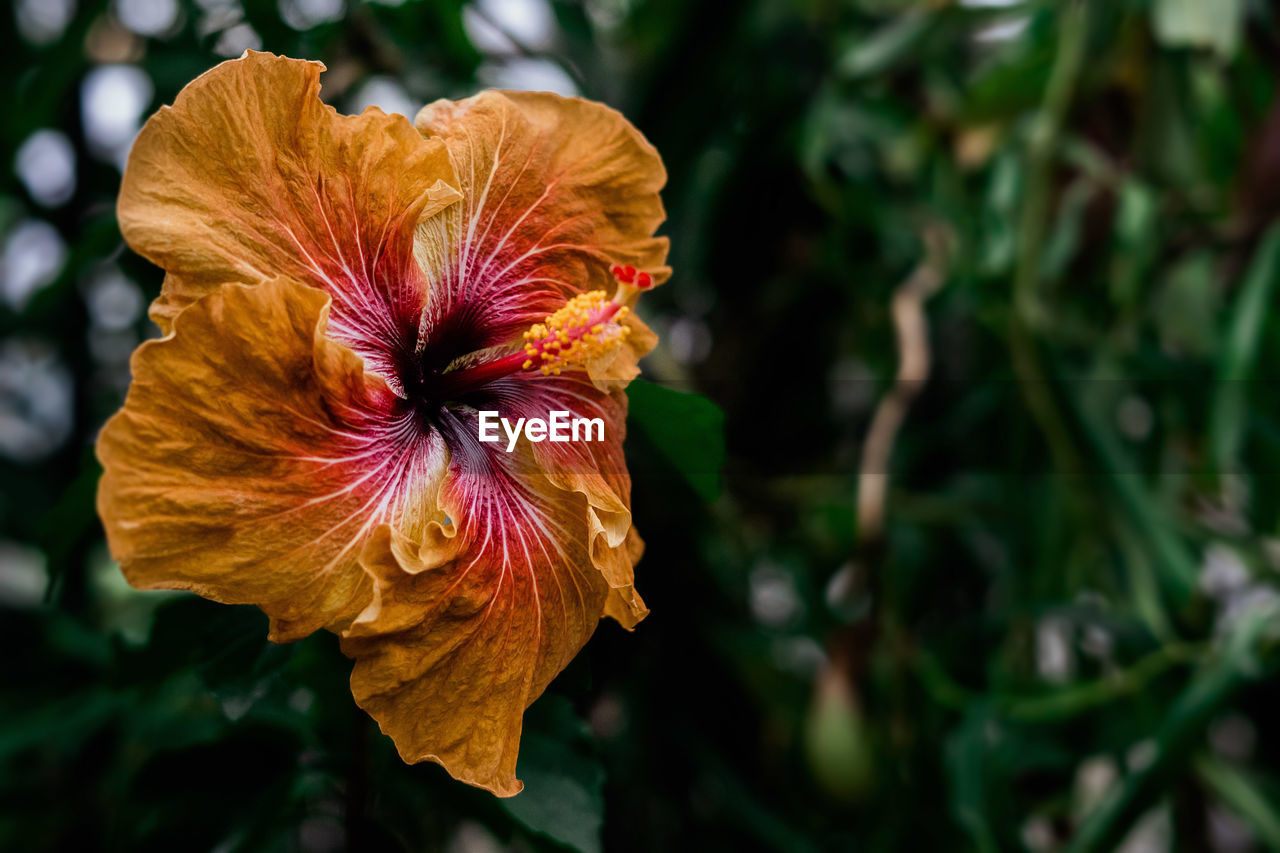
(1066, 702)
(1070, 701)
(1028, 313)
(1239, 793)
(1246, 655)
(911, 328)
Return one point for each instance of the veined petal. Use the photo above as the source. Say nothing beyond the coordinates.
(254, 457)
(596, 469)
(462, 637)
(248, 176)
(555, 190)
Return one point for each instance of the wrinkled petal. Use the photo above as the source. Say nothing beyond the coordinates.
(465, 633)
(539, 543)
(624, 605)
(555, 191)
(595, 469)
(541, 546)
(248, 176)
(615, 371)
(254, 457)
(267, 452)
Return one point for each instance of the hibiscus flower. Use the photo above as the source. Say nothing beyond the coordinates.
(343, 296)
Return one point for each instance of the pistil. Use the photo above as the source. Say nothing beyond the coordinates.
(587, 328)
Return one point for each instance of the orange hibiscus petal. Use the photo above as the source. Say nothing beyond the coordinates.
(618, 368)
(254, 457)
(468, 627)
(461, 639)
(555, 191)
(248, 176)
(624, 605)
(268, 452)
(595, 469)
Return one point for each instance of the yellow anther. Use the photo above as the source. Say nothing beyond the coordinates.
(586, 328)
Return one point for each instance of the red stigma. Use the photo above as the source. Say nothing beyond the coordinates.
(629, 276)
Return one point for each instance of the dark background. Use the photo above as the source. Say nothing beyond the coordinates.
(1057, 630)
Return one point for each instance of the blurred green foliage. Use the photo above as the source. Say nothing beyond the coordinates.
(1065, 634)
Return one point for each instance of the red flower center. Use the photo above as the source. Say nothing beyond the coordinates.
(588, 327)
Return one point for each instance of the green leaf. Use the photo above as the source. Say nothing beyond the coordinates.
(885, 47)
(563, 796)
(1065, 238)
(60, 725)
(966, 752)
(687, 429)
(1243, 796)
(1149, 518)
(1239, 354)
(1187, 306)
(1136, 229)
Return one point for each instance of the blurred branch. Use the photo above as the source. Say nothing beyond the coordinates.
(1064, 703)
(911, 328)
(1247, 653)
(1079, 699)
(1028, 312)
